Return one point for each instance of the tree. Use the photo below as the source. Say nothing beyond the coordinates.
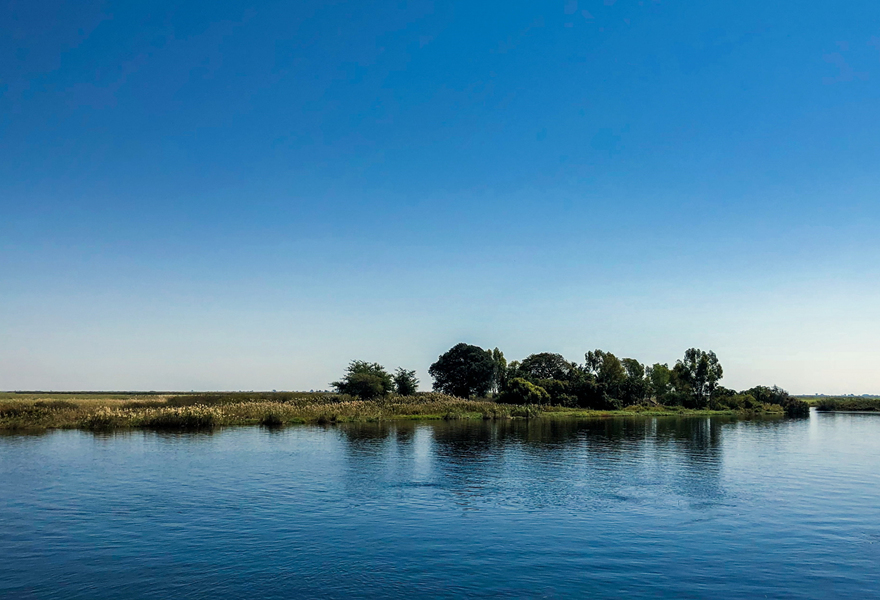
(365, 380)
(696, 376)
(521, 391)
(776, 395)
(499, 378)
(660, 381)
(546, 365)
(405, 382)
(608, 372)
(635, 387)
(464, 371)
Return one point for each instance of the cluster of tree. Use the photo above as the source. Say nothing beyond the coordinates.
(603, 381)
(774, 395)
(370, 380)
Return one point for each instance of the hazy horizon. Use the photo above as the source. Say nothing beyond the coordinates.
(243, 195)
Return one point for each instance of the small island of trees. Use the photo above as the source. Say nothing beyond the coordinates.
(602, 382)
(469, 383)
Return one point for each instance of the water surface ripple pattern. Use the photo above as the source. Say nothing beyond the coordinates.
(635, 508)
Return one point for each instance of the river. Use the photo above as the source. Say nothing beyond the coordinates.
(612, 508)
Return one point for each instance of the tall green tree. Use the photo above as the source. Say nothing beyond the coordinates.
(660, 380)
(464, 370)
(546, 365)
(405, 382)
(635, 388)
(696, 376)
(365, 380)
(608, 373)
(499, 377)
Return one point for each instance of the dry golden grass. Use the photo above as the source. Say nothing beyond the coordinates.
(35, 412)
(19, 412)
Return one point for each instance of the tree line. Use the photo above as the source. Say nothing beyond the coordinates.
(602, 382)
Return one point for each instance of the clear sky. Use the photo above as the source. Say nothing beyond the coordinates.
(239, 195)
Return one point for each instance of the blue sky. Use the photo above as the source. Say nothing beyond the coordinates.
(230, 195)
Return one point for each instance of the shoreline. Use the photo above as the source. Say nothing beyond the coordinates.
(108, 412)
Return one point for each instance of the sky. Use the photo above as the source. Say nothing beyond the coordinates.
(247, 196)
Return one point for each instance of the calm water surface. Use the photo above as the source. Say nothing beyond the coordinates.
(634, 508)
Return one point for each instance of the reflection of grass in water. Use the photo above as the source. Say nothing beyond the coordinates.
(194, 412)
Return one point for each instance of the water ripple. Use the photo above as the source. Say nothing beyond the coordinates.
(636, 508)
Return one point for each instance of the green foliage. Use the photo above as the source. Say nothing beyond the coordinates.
(365, 380)
(499, 376)
(778, 396)
(696, 376)
(272, 419)
(769, 395)
(405, 382)
(546, 365)
(609, 377)
(797, 408)
(464, 371)
(528, 411)
(848, 404)
(635, 389)
(608, 371)
(659, 379)
(547, 380)
(734, 402)
(521, 391)
(561, 393)
(100, 412)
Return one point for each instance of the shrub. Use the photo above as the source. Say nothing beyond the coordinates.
(526, 412)
(464, 371)
(520, 391)
(271, 419)
(364, 380)
(405, 382)
(797, 408)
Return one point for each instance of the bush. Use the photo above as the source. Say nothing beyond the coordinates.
(272, 419)
(405, 382)
(849, 404)
(797, 408)
(520, 391)
(526, 412)
(365, 380)
(464, 371)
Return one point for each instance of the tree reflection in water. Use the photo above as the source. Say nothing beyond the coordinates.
(575, 465)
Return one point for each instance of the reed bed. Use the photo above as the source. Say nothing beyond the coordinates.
(193, 412)
(198, 412)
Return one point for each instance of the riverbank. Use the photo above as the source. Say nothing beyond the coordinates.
(848, 404)
(40, 411)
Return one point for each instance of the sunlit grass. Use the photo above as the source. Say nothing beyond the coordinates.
(192, 412)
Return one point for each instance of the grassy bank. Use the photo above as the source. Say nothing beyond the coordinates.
(847, 403)
(205, 411)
